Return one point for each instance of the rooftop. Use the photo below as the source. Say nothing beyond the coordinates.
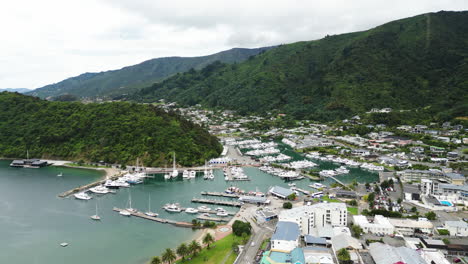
(294, 257)
(280, 191)
(459, 224)
(385, 254)
(288, 231)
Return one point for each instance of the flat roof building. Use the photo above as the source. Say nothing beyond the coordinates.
(380, 224)
(280, 192)
(286, 236)
(386, 254)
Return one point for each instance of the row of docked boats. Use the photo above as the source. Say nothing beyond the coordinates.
(176, 208)
(300, 164)
(262, 152)
(282, 173)
(338, 171)
(236, 173)
(345, 161)
(278, 158)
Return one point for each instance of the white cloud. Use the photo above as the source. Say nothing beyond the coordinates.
(50, 40)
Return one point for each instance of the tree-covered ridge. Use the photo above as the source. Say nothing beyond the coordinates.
(112, 132)
(113, 84)
(415, 63)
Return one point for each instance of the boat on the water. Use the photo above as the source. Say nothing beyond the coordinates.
(204, 208)
(60, 174)
(185, 174)
(192, 174)
(149, 213)
(125, 213)
(222, 213)
(96, 217)
(64, 244)
(99, 189)
(82, 196)
(191, 210)
(173, 208)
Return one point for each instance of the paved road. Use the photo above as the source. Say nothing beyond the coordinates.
(252, 247)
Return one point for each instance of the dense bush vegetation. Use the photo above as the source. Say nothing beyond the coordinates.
(112, 132)
(417, 63)
(239, 228)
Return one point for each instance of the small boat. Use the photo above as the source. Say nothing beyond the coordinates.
(192, 174)
(60, 174)
(149, 213)
(125, 213)
(64, 244)
(174, 208)
(130, 209)
(185, 174)
(292, 184)
(206, 215)
(204, 208)
(96, 217)
(222, 213)
(219, 209)
(175, 172)
(191, 210)
(111, 184)
(99, 190)
(82, 196)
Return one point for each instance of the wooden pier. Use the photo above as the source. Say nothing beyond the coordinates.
(218, 202)
(157, 219)
(214, 219)
(338, 181)
(220, 194)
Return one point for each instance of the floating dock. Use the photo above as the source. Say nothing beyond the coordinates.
(301, 190)
(220, 194)
(218, 202)
(157, 219)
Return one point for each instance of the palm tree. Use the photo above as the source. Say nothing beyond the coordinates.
(182, 250)
(156, 260)
(208, 239)
(168, 256)
(194, 247)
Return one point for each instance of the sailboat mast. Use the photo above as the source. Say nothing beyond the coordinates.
(174, 161)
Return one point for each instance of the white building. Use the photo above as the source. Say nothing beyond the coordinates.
(286, 236)
(457, 228)
(410, 227)
(380, 225)
(318, 215)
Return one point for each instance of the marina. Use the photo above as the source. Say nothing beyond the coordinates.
(220, 194)
(217, 202)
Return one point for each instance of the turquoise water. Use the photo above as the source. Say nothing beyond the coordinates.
(447, 203)
(34, 221)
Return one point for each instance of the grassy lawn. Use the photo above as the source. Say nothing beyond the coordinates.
(352, 210)
(326, 198)
(217, 252)
(264, 244)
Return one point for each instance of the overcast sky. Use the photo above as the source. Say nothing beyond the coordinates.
(46, 41)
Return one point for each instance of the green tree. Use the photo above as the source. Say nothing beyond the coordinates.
(239, 227)
(194, 247)
(367, 185)
(208, 240)
(414, 209)
(182, 250)
(156, 260)
(399, 201)
(431, 215)
(235, 246)
(352, 202)
(357, 231)
(343, 255)
(287, 205)
(292, 197)
(446, 241)
(245, 238)
(169, 256)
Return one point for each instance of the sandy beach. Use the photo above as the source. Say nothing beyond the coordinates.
(109, 172)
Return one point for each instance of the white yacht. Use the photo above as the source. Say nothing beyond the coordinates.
(175, 208)
(204, 208)
(96, 217)
(175, 172)
(167, 176)
(149, 213)
(192, 174)
(185, 174)
(125, 213)
(317, 185)
(222, 213)
(82, 196)
(292, 184)
(99, 189)
(342, 170)
(191, 210)
(130, 208)
(60, 174)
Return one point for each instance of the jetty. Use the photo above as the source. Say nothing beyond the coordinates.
(338, 181)
(220, 194)
(218, 202)
(87, 186)
(301, 190)
(157, 219)
(214, 219)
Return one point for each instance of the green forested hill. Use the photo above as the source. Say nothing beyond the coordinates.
(415, 63)
(129, 79)
(113, 132)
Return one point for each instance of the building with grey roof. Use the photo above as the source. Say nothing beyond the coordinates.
(286, 236)
(315, 241)
(254, 200)
(386, 254)
(280, 192)
(457, 228)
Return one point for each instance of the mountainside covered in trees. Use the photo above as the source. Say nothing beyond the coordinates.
(18, 90)
(112, 132)
(414, 63)
(129, 79)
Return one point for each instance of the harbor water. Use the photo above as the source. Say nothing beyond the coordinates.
(34, 221)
